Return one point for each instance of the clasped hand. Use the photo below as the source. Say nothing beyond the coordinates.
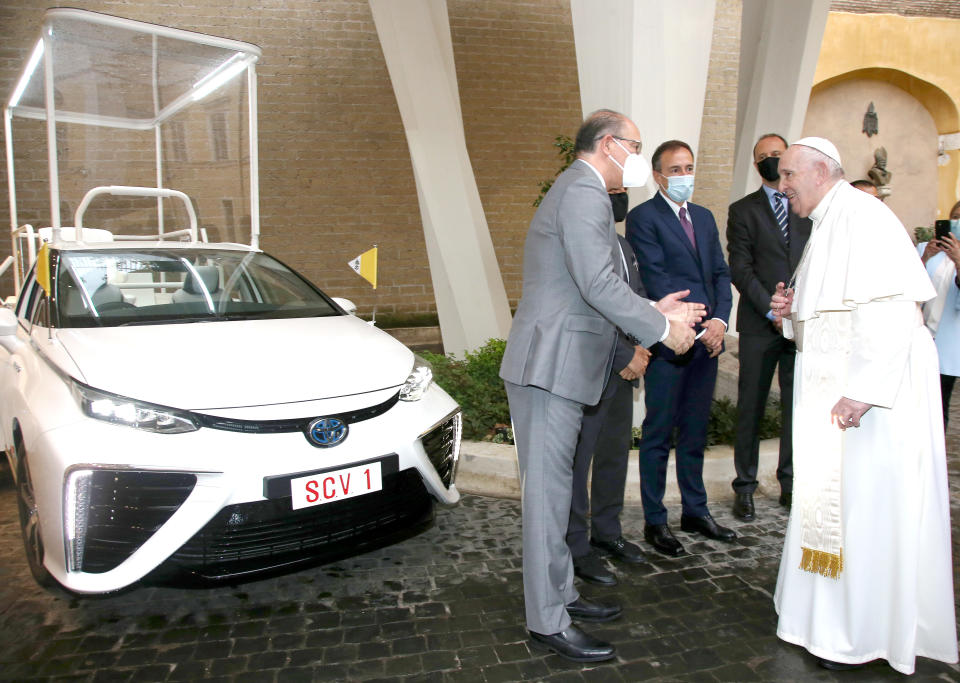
(682, 316)
(637, 365)
(781, 304)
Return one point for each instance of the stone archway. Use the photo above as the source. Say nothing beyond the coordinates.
(907, 130)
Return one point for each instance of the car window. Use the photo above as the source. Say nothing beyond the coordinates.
(28, 298)
(113, 287)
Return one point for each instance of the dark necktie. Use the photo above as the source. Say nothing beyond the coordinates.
(781, 214)
(687, 226)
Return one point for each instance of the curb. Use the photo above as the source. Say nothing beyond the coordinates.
(489, 469)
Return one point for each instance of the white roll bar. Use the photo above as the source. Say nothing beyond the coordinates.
(131, 191)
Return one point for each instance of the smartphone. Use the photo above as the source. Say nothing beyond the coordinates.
(941, 229)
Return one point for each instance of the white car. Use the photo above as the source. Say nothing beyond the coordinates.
(203, 409)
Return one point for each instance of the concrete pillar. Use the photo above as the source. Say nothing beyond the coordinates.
(648, 59)
(779, 46)
(471, 299)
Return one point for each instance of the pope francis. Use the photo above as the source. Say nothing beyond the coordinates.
(866, 571)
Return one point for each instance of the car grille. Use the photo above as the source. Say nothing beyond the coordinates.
(442, 444)
(125, 509)
(268, 534)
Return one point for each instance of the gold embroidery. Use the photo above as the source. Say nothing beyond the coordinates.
(822, 563)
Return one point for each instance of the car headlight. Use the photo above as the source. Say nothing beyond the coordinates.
(418, 381)
(101, 405)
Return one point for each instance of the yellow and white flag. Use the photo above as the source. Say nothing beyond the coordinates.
(365, 265)
(43, 267)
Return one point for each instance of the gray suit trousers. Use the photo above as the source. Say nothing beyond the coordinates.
(545, 430)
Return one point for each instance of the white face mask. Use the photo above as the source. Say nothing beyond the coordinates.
(636, 169)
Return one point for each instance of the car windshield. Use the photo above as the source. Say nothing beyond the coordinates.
(142, 286)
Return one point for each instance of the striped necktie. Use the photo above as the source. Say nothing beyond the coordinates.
(781, 214)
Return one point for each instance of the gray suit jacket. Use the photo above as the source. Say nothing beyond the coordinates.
(574, 294)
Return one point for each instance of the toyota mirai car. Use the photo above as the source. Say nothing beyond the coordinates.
(203, 410)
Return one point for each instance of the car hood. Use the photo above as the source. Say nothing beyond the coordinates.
(231, 364)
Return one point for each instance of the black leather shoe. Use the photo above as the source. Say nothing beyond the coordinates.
(620, 549)
(662, 539)
(591, 569)
(584, 609)
(743, 507)
(575, 645)
(786, 500)
(706, 526)
(836, 666)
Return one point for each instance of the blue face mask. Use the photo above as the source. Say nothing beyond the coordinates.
(955, 227)
(679, 188)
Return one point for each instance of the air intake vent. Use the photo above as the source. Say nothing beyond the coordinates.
(126, 509)
(442, 444)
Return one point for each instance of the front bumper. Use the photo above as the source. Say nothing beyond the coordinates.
(197, 502)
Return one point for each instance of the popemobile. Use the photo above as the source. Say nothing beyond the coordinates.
(169, 405)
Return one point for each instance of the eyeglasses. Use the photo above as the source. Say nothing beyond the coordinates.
(639, 145)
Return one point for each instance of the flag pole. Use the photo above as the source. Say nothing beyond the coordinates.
(376, 295)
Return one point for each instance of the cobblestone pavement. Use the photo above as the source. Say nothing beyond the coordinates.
(445, 605)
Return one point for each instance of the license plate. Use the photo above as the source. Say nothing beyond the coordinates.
(327, 487)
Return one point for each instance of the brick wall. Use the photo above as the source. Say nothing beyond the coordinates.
(335, 170)
(718, 132)
(335, 175)
(517, 72)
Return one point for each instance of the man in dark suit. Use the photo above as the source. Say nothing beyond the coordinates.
(765, 240)
(558, 357)
(605, 437)
(678, 247)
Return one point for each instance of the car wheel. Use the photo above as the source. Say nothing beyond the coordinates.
(30, 519)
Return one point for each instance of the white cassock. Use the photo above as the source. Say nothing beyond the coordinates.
(871, 504)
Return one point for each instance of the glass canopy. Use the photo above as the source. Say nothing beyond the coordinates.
(126, 103)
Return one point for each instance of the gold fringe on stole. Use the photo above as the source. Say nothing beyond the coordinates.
(822, 563)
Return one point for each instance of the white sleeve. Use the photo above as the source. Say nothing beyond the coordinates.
(882, 335)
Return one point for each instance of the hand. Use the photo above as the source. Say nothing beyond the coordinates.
(933, 247)
(951, 246)
(682, 311)
(637, 365)
(680, 338)
(712, 338)
(847, 413)
(782, 302)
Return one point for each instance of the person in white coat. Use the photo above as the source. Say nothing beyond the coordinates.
(942, 314)
(866, 571)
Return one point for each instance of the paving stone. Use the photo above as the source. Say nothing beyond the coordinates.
(443, 606)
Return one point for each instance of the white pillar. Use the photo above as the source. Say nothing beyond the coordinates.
(471, 299)
(779, 47)
(648, 59)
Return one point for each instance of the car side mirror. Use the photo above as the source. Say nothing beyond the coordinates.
(8, 322)
(346, 305)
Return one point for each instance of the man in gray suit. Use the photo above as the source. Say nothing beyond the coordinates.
(558, 358)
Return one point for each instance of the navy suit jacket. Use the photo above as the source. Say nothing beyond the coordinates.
(668, 261)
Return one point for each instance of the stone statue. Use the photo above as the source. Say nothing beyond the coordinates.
(879, 173)
(871, 126)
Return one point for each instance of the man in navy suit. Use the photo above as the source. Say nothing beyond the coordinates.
(678, 247)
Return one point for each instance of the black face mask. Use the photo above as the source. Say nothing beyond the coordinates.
(769, 168)
(620, 201)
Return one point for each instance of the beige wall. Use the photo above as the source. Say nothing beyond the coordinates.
(906, 130)
(919, 54)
